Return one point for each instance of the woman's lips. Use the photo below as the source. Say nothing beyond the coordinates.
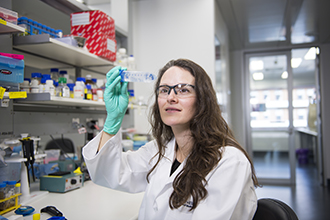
(172, 110)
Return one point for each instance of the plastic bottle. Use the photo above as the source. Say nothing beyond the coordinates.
(131, 96)
(25, 86)
(64, 73)
(94, 89)
(131, 63)
(89, 94)
(42, 84)
(122, 57)
(89, 80)
(36, 77)
(18, 191)
(71, 86)
(92, 83)
(79, 90)
(99, 93)
(49, 87)
(34, 87)
(62, 89)
(137, 76)
(54, 74)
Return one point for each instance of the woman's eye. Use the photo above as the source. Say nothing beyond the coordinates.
(184, 90)
(164, 90)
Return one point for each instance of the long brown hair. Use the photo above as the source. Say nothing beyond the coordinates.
(210, 134)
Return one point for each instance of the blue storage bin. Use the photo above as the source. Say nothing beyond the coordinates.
(11, 70)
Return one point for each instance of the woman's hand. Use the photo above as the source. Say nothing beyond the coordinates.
(116, 101)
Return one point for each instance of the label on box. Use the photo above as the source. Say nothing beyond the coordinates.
(80, 19)
(111, 45)
(101, 45)
(92, 21)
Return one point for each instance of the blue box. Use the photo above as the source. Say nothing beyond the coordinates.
(11, 70)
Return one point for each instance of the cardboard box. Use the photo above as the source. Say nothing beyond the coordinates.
(101, 45)
(92, 21)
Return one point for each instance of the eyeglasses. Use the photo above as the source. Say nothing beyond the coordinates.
(181, 90)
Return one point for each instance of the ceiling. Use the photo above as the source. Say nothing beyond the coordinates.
(260, 23)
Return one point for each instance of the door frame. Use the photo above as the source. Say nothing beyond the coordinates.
(292, 158)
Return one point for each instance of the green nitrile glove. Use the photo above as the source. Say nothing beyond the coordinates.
(116, 101)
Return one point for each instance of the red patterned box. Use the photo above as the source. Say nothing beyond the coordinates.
(101, 45)
(92, 21)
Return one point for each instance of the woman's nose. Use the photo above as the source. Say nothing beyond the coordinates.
(172, 96)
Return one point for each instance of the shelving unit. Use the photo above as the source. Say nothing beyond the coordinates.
(9, 28)
(42, 51)
(47, 99)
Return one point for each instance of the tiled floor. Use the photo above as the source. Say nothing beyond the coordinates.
(308, 198)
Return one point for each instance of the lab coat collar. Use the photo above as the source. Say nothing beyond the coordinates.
(165, 167)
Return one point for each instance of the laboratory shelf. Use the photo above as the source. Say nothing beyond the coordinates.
(9, 28)
(55, 53)
(47, 99)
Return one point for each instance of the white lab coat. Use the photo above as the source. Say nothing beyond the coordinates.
(231, 193)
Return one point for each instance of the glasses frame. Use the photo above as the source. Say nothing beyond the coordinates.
(173, 87)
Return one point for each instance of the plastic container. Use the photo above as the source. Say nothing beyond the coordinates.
(52, 155)
(99, 93)
(54, 74)
(43, 80)
(64, 73)
(11, 69)
(89, 95)
(25, 86)
(81, 87)
(11, 192)
(33, 28)
(78, 90)
(17, 188)
(35, 82)
(122, 57)
(49, 87)
(3, 190)
(71, 86)
(94, 89)
(131, 63)
(137, 76)
(36, 76)
(62, 89)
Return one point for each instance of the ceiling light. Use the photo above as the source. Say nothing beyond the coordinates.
(295, 62)
(284, 75)
(256, 65)
(258, 76)
(311, 54)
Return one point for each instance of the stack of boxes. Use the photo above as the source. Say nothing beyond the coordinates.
(99, 30)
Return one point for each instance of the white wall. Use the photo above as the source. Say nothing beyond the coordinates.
(222, 34)
(169, 29)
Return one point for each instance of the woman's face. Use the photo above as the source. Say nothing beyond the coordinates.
(176, 111)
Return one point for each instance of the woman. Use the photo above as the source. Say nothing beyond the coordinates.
(194, 169)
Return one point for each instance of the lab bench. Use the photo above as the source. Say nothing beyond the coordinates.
(90, 202)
